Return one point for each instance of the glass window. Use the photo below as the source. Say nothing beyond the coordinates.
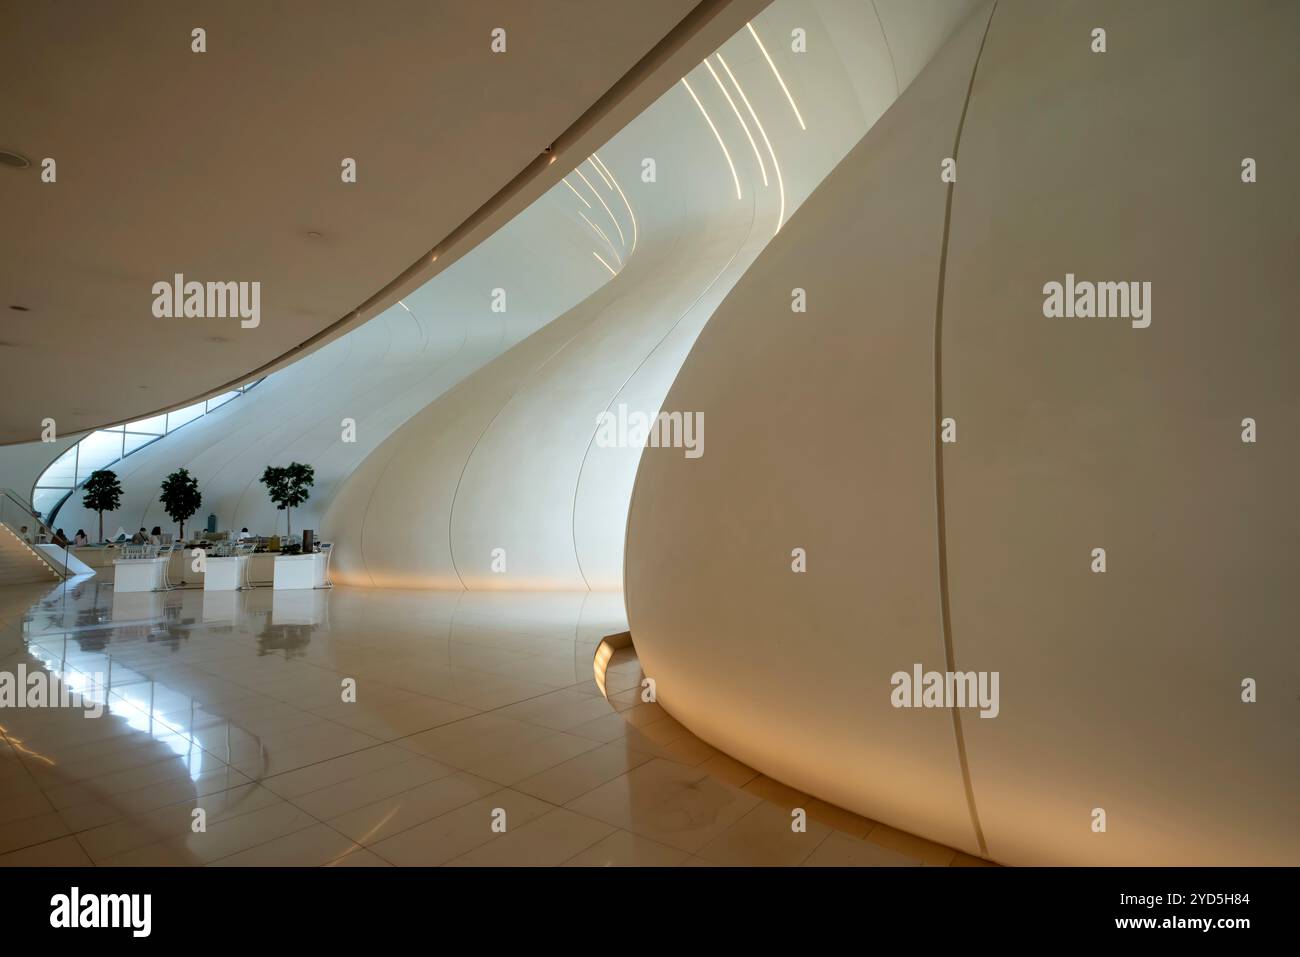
(63, 472)
(155, 425)
(181, 416)
(44, 499)
(97, 450)
(134, 441)
(219, 400)
(102, 448)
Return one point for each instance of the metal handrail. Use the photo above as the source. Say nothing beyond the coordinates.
(38, 532)
(26, 510)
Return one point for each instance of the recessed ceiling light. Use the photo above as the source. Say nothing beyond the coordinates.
(14, 160)
(313, 235)
(20, 309)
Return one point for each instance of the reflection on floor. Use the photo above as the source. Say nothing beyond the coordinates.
(467, 705)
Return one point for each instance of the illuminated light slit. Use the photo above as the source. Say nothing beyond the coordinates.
(611, 269)
(743, 125)
(780, 183)
(603, 235)
(777, 74)
(709, 120)
(600, 171)
(631, 215)
(566, 182)
(612, 218)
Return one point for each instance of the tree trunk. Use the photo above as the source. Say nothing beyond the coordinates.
(288, 523)
(101, 528)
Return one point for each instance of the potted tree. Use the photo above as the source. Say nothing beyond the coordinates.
(288, 487)
(180, 497)
(103, 494)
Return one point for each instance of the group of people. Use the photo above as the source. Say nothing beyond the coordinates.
(58, 538)
(141, 537)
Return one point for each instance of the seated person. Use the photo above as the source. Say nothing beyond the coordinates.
(243, 535)
(140, 538)
(25, 535)
(155, 536)
(60, 539)
(80, 538)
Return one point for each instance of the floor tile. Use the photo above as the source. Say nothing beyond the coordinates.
(548, 841)
(624, 849)
(841, 850)
(457, 832)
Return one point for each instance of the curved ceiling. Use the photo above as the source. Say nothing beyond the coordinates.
(222, 165)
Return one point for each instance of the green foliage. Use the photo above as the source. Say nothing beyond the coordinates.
(180, 496)
(289, 486)
(103, 494)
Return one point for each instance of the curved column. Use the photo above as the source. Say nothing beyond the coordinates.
(1122, 691)
(1119, 691)
(820, 439)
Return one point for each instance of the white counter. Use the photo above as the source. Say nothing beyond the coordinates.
(225, 573)
(139, 574)
(301, 571)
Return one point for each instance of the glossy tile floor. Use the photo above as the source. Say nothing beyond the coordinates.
(469, 706)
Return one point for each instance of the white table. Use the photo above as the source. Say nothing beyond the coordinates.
(225, 573)
(301, 571)
(139, 574)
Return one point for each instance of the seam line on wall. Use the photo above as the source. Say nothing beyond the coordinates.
(898, 88)
(944, 605)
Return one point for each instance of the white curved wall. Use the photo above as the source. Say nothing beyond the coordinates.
(507, 463)
(1118, 691)
(507, 459)
(378, 375)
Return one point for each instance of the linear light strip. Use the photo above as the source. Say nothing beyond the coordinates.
(603, 263)
(780, 183)
(614, 179)
(600, 171)
(707, 119)
(743, 125)
(612, 217)
(566, 182)
(603, 235)
(777, 74)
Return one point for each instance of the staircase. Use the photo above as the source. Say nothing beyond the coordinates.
(19, 561)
